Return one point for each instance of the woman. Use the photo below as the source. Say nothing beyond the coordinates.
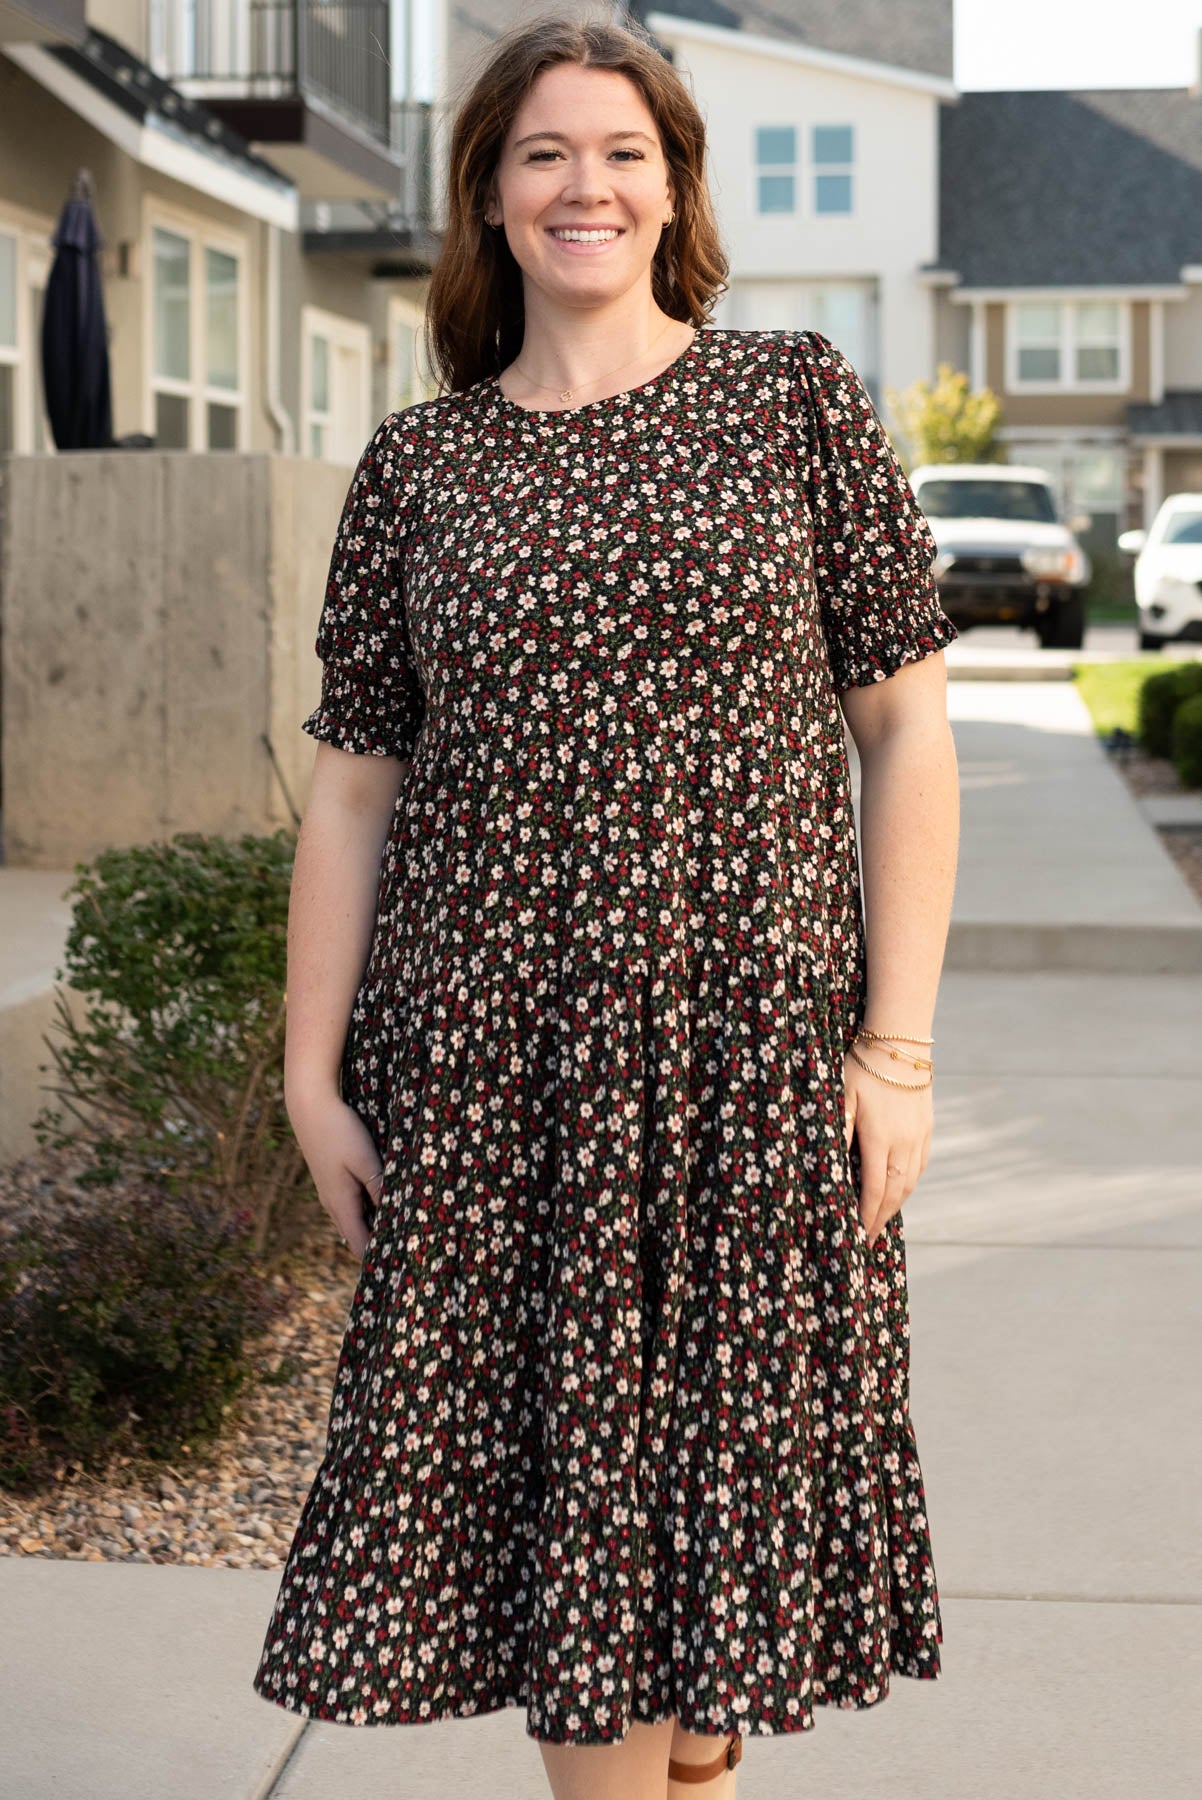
(620, 1428)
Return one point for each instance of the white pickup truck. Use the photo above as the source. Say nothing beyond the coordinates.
(1005, 555)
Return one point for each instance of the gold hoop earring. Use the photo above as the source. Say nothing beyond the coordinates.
(667, 221)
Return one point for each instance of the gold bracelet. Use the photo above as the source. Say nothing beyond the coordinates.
(902, 1055)
(895, 1055)
(914, 1086)
(864, 1031)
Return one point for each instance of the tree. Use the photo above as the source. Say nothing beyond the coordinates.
(945, 421)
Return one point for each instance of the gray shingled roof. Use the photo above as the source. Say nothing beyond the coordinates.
(908, 34)
(1177, 415)
(1052, 189)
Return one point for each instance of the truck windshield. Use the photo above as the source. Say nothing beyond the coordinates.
(1021, 500)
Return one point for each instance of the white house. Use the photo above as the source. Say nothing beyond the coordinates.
(824, 166)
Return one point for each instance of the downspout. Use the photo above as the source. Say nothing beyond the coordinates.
(282, 420)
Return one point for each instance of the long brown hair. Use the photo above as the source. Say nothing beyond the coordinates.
(475, 314)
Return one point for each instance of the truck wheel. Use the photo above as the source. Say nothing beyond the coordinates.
(1150, 640)
(1065, 630)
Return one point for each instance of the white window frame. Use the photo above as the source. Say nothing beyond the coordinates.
(34, 256)
(1067, 382)
(816, 168)
(792, 169)
(202, 234)
(406, 387)
(346, 334)
(804, 171)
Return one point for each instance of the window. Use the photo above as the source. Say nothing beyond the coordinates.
(319, 395)
(197, 395)
(25, 258)
(776, 168)
(1097, 341)
(1068, 344)
(409, 377)
(846, 312)
(8, 340)
(1038, 330)
(335, 386)
(828, 176)
(833, 156)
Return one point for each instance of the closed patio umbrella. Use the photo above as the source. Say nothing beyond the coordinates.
(75, 353)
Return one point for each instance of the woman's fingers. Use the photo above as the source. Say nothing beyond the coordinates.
(877, 1185)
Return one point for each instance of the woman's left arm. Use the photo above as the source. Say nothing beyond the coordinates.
(909, 837)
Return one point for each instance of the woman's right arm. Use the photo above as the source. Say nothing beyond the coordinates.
(331, 918)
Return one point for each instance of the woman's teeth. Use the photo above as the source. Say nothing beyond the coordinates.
(585, 237)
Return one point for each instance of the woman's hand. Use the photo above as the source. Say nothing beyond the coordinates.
(894, 1131)
(342, 1159)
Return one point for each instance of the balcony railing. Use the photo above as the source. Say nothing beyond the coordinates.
(413, 126)
(334, 50)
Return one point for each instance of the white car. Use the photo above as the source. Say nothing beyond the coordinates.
(1168, 572)
(1005, 554)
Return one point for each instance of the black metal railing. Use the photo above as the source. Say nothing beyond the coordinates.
(336, 50)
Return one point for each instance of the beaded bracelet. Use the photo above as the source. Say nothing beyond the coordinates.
(864, 1032)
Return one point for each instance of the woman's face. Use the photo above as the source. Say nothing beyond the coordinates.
(582, 150)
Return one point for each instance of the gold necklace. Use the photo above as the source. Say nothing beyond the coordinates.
(567, 393)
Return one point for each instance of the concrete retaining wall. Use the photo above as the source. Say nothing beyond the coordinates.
(158, 614)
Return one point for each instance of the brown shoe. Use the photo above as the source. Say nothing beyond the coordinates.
(729, 1759)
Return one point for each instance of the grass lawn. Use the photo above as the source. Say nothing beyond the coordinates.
(1111, 612)
(1111, 690)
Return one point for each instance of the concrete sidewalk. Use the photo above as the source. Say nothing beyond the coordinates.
(1054, 1248)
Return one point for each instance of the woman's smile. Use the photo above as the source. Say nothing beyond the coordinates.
(585, 240)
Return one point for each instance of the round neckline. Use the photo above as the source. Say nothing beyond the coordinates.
(570, 412)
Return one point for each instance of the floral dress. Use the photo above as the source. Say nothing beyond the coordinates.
(620, 1427)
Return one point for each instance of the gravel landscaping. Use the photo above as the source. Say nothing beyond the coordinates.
(236, 1504)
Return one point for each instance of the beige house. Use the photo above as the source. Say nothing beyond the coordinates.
(237, 318)
(1070, 280)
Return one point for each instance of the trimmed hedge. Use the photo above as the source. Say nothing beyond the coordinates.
(1159, 698)
(1187, 741)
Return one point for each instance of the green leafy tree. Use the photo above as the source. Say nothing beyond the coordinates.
(945, 420)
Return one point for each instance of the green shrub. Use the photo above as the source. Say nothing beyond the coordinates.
(1159, 699)
(174, 1066)
(125, 1330)
(1187, 741)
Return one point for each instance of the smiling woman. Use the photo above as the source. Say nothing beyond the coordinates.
(629, 1100)
(581, 249)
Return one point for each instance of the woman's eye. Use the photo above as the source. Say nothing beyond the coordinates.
(539, 155)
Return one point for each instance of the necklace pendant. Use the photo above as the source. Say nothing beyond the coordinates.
(566, 393)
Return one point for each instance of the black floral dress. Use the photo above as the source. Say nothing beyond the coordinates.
(620, 1425)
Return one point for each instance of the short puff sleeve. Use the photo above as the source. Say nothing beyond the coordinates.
(872, 548)
(372, 701)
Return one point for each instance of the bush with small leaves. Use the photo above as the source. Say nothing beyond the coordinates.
(128, 1329)
(170, 1059)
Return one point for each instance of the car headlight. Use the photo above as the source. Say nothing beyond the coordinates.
(1066, 564)
(942, 564)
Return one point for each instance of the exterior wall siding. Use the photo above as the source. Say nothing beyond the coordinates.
(894, 227)
(1183, 341)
